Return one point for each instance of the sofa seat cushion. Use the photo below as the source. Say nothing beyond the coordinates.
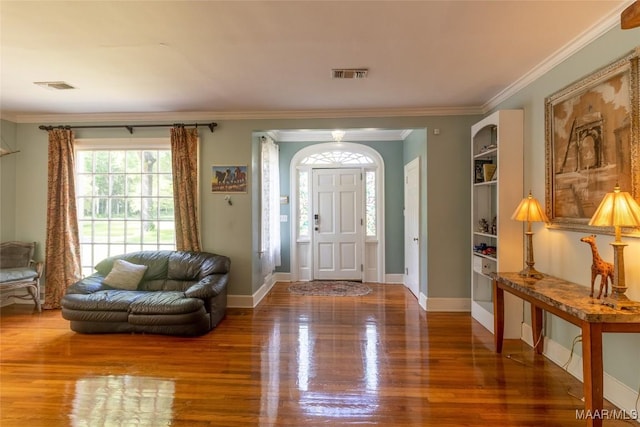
(17, 274)
(167, 302)
(107, 300)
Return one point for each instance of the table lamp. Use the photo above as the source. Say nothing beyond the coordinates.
(618, 209)
(529, 210)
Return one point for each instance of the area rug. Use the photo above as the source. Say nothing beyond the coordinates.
(330, 288)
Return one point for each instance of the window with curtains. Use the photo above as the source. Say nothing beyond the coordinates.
(124, 193)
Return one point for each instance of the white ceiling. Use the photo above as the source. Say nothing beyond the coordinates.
(275, 58)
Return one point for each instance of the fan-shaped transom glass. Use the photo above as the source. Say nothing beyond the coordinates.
(337, 158)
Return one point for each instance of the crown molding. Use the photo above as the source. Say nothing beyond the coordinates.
(351, 135)
(608, 22)
(239, 115)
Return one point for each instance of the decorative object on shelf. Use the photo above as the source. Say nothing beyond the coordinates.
(592, 133)
(494, 226)
(489, 171)
(479, 170)
(618, 209)
(599, 267)
(529, 210)
(483, 226)
(489, 147)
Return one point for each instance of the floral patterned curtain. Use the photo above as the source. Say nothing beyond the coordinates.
(62, 252)
(184, 158)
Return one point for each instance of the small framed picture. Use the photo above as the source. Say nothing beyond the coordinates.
(228, 179)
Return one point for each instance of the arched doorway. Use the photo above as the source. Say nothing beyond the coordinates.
(366, 200)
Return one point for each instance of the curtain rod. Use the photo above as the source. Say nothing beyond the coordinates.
(211, 126)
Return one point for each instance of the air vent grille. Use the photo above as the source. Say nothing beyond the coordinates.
(349, 73)
(55, 85)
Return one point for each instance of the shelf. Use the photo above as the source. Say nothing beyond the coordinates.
(480, 233)
(480, 184)
(492, 258)
(488, 153)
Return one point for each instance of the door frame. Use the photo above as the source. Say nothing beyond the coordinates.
(300, 257)
(413, 164)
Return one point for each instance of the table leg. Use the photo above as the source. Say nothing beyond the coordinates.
(592, 371)
(498, 316)
(536, 327)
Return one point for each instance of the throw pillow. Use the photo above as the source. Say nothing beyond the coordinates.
(125, 275)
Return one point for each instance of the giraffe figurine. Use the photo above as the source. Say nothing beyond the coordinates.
(599, 267)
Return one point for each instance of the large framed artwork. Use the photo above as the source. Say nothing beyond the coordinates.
(592, 130)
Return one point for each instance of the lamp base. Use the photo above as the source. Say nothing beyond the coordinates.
(531, 273)
(620, 302)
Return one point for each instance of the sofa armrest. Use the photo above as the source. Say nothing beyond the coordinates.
(209, 287)
(88, 285)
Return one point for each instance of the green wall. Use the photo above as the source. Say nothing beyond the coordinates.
(560, 253)
(7, 182)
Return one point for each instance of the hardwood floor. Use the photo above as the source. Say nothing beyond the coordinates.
(292, 361)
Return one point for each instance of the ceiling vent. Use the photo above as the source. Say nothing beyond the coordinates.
(55, 85)
(349, 73)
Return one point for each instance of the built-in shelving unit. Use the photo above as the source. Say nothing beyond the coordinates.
(497, 188)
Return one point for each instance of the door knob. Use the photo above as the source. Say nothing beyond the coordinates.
(415, 239)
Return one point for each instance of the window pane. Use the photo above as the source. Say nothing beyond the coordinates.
(150, 234)
(149, 185)
(117, 232)
(370, 201)
(84, 185)
(84, 161)
(101, 160)
(118, 206)
(303, 203)
(166, 209)
(117, 185)
(85, 231)
(165, 185)
(134, 187)
(117, 161)
(101, 185)
(150, 161)
(164, 162)
(133, 209)
(134, 162)
(167, 232)
(134, 232)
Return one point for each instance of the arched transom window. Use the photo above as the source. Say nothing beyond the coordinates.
(337, 158)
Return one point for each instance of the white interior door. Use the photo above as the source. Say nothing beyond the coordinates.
(338, 224)
(412, 226)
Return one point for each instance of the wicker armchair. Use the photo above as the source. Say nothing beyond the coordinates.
(18, 270)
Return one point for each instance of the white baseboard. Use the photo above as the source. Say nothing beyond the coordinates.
(251, 301)
(422, 301)
(282, 277)
(394, 278)
(621, 395)
(448, 304)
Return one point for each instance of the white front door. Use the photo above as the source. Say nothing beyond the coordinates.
(412, 226)
(337, 222)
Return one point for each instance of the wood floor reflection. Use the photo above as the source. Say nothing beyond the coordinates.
(292, 361)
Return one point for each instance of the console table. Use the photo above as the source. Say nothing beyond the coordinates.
(572, 303)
